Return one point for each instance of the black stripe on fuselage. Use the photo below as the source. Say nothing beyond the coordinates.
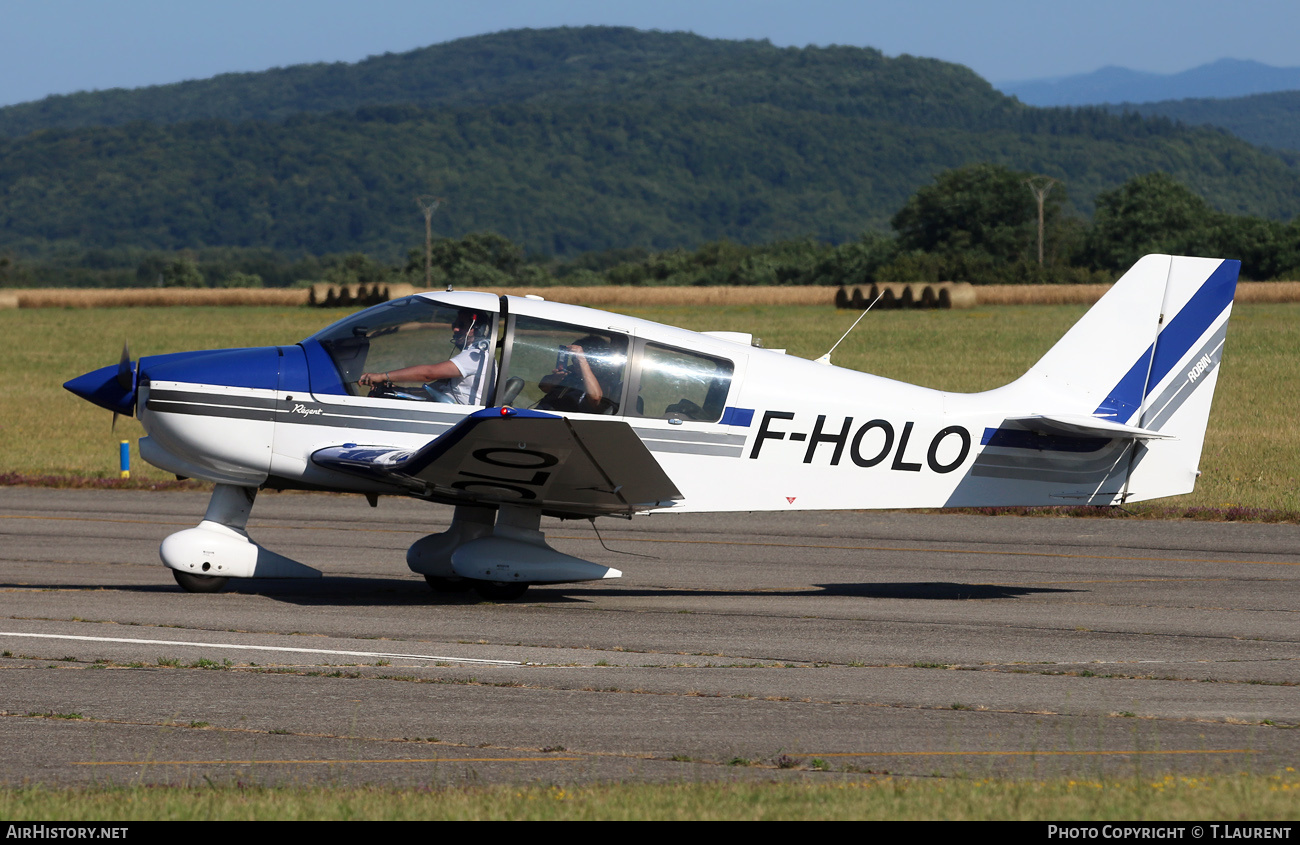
(399, 420)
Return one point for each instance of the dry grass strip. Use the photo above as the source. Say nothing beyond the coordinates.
(1268, 292)
(602, 296)
(136, 297)
(1265, 292)
(1040, 294)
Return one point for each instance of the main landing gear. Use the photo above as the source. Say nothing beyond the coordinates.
(497, 552)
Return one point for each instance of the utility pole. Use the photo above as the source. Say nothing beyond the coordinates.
(429, 204)
(1040, 185)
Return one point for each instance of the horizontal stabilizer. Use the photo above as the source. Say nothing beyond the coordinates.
(497, 456)
(1082, 425)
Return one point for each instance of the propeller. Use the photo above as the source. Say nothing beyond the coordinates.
(125, 372)
(125, 379)
(112, 387)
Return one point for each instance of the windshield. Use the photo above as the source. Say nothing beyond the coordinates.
(410, 333)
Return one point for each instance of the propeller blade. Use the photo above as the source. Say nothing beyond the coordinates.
(125, 372)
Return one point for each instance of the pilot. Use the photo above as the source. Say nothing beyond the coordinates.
(585, 379)
(462, 379)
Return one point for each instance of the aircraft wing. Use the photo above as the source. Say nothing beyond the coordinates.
(497, 456)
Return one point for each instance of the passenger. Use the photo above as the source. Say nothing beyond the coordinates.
(462, 379)
(586, 378)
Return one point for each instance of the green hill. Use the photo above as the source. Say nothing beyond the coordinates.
(1268, 120)
(565, 141)
(590, 65)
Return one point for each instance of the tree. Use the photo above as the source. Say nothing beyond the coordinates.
(183, 272)
(982, 209)
(453, 256)
(1148, 213)
(355, 268)
(240, 279)
(1267, 249)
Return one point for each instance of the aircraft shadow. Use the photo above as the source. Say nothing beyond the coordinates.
(937, 591)
(342, 590)
(929, 590)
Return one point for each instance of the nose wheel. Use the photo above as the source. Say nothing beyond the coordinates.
(192, 583)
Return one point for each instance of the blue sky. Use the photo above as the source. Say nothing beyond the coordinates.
(59, 46)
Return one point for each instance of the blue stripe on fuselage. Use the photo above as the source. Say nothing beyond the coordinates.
(741, 417)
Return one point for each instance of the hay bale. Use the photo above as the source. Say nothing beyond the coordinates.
(957, 295)
(841, 298)
(8, 300)
(400, 290)
(855, 301)
(916, 294)
(943, 294)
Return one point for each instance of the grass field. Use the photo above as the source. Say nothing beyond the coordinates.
(1251, 459)
(1238, 798)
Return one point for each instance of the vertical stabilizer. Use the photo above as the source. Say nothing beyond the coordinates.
(1146, 355)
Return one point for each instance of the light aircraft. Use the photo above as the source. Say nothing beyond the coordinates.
(579, 413)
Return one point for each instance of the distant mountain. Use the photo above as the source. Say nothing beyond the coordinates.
(565, 141)
(1224, 78)
(1266, 120)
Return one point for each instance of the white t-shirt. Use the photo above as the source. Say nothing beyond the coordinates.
(474, 375)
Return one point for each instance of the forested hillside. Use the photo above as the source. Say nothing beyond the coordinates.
(564, 141)
(1269, 120)
(588, 65)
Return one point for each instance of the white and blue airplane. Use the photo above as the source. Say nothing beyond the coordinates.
(559, 410)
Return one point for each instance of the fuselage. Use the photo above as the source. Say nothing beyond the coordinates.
(736, 427)
(511, 409)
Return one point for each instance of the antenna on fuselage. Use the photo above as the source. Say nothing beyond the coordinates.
(826, 359)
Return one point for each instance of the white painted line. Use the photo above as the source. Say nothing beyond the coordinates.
(382, 654)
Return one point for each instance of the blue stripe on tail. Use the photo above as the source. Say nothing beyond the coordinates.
(1173, 342)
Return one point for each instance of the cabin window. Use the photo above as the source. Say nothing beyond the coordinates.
(676, 384)
(412, 332)
(565, 368)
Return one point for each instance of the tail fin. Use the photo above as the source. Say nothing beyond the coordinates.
(1145, 357)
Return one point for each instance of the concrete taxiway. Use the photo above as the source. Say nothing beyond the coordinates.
(799, 645)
